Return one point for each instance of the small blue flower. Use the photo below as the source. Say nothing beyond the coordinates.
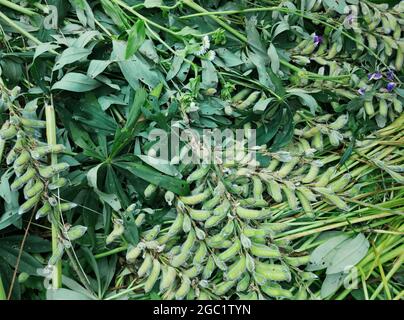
(317, 39)
(390, 75)
(362, 91)
(390, 86)
(375, 76)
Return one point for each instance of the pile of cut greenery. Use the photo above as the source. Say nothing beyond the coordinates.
(89, 209)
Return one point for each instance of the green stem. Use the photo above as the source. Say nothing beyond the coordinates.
(51, 139)
(17, 8)
(2, 146)
(110, 252)
(20, 30)
(3, 295)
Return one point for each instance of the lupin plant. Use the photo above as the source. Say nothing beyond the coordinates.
(308, 193)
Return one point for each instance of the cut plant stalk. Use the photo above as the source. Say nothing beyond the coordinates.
(51, 139)
(3, 295)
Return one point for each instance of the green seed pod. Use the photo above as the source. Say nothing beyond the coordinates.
(29, 204)
(35, 189)
(32, 123)
(203, 296)
(276, 292)
(341, 183)
(244, 283)
(19, 182)
(23, 158)
(146, 266)
(258, 188)
(49, 171)
(132, 254)
(306, 205)
(386, 25)
(254, 203)
(58, 183)
(151, 234)
(333, 198)
(43, 211)
(168, 278)
(251, 214)
(398, 106)
(370, 110)
(311, 46)
(325, 177)
(273, 165)
(67, 206)
(215, 220)
(240, 96)
(333, 51)
(200, 253)
(228, 229)
(154, 274)
(275, 227)
(290, 197)
(263, 251)
(150, 191)
(176, 226)
(288, 167)
(397, 32)
(11, 156)
(199, 215)
(298, 261)
(249, 101)
(218, 241)
(307, 193)
(311, 132)
(179, 259)
(383, 108)
(212, 203)
(198, 174)
(251, 232)
(195, 199)
(301, 294)
(186, 224)
(189, 242)
(399, 59)
(210, 267)
(8, 133)
(169, 196)
(57, 254)
(317, 141)
(183, 289)
(273, 272)
(23, 277)
(223, 287)
(223, 208)
(193, 272)
(274, 189)
(117, 231)
(76, 232)
(230, 252)
(339, 123)
(237, 269)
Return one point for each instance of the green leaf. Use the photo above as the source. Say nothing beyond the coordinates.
(96, 67)
(161, 165)
(70, 55)
(149, 174)
(65, 294)
(305, 98)
(136, 38)
(349, 254)
(321, 257)
(331, 284)
(273, 56)
(76, 82)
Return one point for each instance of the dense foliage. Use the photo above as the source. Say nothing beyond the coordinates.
(89, 208)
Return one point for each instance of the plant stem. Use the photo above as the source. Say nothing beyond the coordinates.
(111, 252)
(2, 145)
(2, 292)
(17, 8)
(51, 139)
(25, 33)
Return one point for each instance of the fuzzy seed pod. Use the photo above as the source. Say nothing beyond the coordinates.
(200, 253)
(383, 108)
(276, 292)
(32, 123)
(57, 254)
(249, 101)
(210, 267)
(212, 203)
(146, 266)
(215, 220)
(19, 182)
(35, 189)
(150, 191)
(199, 215)
(223, 287)
(274, 189)
(76, 232)
(151, 234)
(198, 174)
(168, 277)
(290, 197)
(298, 261)
(341, 183)
(43, 211)
(58, 183)
(398, 106)
(245, 213)
(243, 283)
(29, 204)
(176, 226)
(230, 252)
(273, 272)
(116, 232)
(152, 278)
(263, 251)
(306, 205)
(8, 133)
(333, 198)
(370, 110)
(240, 96)
(195, 199)
(237, 269)
(325, 177)
(23, 158)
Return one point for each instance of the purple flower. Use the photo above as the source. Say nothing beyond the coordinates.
(390, 86)
(375, 76)
(362, 91)
(317, 39)
(350, 19)
(390, 75)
